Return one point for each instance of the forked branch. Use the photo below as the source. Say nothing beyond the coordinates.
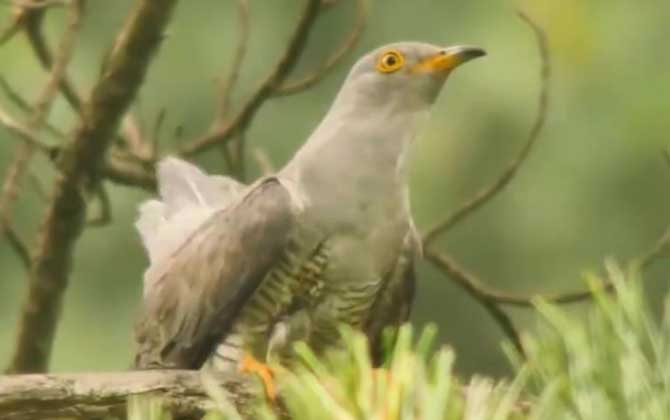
(222, 134)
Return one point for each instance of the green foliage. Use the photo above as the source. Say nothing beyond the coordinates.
(612, 363)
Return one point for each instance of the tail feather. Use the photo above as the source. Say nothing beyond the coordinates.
(188, 196)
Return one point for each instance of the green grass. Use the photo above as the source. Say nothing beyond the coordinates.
(613, 363)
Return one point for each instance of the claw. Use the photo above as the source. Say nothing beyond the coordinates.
(249, 364)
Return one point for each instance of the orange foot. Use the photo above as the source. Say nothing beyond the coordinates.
(249, 364)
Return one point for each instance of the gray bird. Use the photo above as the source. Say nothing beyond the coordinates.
(246, 270)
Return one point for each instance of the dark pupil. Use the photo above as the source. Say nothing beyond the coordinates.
(390, 60)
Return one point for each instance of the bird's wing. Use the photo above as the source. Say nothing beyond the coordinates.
(394, 302)
(196, 292)
(188, 197)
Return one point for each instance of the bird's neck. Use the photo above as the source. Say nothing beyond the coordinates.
(357, 158)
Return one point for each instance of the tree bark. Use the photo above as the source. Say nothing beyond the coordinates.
(101, 395)
(80, 163)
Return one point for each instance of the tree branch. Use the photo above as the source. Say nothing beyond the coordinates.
(102, 395)
(23, 133)
(223, 133)
(499, 184)
(80, 161)
(16, 242)
(33, 27)
(662, 246)
(226, 88)
(40, 111)
(477, 291)
(306, 82)
(130, 172)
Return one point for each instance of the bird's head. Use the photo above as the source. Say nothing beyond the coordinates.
(406, 74)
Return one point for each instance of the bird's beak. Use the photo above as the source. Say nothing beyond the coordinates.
(448, 59)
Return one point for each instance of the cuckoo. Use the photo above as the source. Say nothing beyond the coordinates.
(238, 273)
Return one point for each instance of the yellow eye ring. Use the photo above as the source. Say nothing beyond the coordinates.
(390, 61)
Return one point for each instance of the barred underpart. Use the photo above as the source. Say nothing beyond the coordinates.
(294, 284)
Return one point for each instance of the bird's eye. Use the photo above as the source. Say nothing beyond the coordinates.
(390, 61)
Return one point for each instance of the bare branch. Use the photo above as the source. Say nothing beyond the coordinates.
(13, 26)
(661, 247)
(474, 288)
(240, 156)
(15, 241)
(285, 65)
(33, 27)
(132, 135)
(507, 175)
(23, 133)
(226, 88)
(42, 4)
(41, 109)
(14, 96)
(21, 103)
(129, 172)
(156, 135)
(80, 161)
(105, 395)
(263, 161)
(37, 186)
(104, 217)
(291, 87)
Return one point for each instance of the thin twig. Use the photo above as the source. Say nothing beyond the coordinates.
(14, 96)
(33, 26)
(263, 161)
(81, 159)
(22, 104)
(233, 158)
(132, 135)
(154, 146)
(280, 71)
(104, 217)
(474, 288)
(41, 108)
(290, 87)
(16, 242)
(13, 26)
(226, 88)
(37, 186)
(128, 172)
(42, 4)
(241, 156)
(23, 133)
(507, 175)
(473, 284)
(661, 247)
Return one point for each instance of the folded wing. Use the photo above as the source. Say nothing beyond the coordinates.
(194, 292)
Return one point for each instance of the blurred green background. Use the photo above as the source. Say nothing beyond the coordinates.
(595, 186)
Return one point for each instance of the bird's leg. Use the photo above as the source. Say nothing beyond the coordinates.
(249, 364)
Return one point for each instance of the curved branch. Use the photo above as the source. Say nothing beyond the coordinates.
(475, 288)
(40, 111)
(222, 134)
(662, 246)
(230, 81)
(507, 175)
(306, 82)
